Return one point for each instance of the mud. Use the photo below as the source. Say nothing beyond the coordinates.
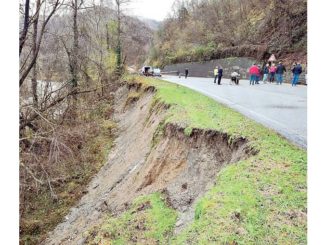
(147, 158)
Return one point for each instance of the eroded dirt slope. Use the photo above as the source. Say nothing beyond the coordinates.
(149, 157)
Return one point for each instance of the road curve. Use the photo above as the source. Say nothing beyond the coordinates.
(280, 107)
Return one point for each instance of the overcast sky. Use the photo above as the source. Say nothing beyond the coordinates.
(152, 9)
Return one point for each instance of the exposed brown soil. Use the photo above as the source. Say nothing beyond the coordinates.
(145, 160)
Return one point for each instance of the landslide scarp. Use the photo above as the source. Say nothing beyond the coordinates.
(151, 156)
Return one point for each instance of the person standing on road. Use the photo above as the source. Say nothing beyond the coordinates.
(280, 69)
(258, 75)
(235, 78)
(253, 72)
(220, 74)
(272, 71)
(178, 73)
(261, 72)
(215, 73)
(266, 72)
(297, 70)
(186, 73)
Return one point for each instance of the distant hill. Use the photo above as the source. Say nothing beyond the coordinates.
(153, 24)
(137, 40)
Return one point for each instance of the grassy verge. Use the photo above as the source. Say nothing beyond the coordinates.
(261, 200)
(148, 221)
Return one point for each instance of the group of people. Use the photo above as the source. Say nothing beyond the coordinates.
(270, 72)
(218, 74)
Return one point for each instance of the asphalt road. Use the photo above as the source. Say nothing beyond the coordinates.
(280, 107)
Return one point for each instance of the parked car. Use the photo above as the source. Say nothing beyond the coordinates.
(157, 72)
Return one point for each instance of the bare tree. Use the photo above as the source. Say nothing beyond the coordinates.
(76, 5)
(23, 34)
(73, 52)
(120, 4)
(31, 61)
(34, 50)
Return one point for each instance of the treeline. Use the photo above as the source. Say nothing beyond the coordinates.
(72, 53)
(210, 29)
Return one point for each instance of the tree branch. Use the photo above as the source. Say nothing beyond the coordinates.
(33, 61)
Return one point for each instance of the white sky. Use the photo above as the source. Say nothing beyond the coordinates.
(151, 9)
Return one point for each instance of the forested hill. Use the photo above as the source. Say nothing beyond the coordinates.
(211, 29)
(97, 42)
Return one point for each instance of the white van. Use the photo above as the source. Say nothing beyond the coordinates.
(157, 72)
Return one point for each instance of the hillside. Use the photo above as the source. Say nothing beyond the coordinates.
(205, 30)
(182, 175)
(153, 24)
(112, 158)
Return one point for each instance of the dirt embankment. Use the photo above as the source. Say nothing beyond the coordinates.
(150, 156)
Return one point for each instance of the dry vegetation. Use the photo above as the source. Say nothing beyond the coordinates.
(213, 29)
(58, 160)
(71, 55)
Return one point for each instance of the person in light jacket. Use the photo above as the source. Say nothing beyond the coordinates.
(235, 78)
(215, 73)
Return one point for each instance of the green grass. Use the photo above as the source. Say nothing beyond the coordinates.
(149, 220)
(261, 200)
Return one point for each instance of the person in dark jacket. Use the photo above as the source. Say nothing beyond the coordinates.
(296, 70)
(186, 73)
(220, 74)
(280, 69)
(266, 72)
(261, 69)
(258, 75)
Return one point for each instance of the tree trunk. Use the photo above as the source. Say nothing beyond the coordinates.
(74, 53)
(22, 37)
(32, 62)
(34, 76)
(118, 49)
(107, 37)
(72, 100)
